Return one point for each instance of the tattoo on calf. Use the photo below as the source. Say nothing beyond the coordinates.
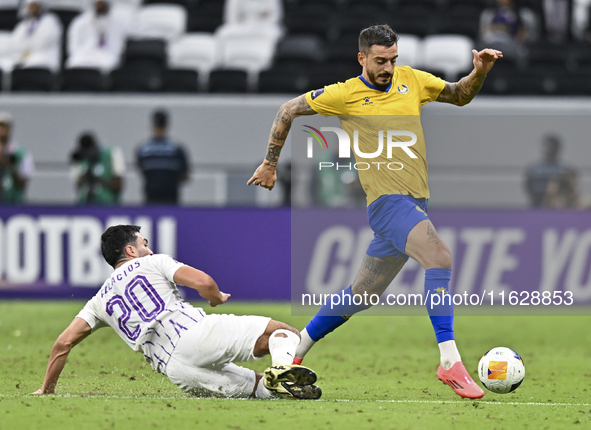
(375, 275)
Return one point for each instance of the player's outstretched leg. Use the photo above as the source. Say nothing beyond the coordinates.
(425, 245)
(283, 378)
(374, 276)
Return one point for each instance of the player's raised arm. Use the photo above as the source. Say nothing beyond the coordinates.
(265, 175)
(202, 282)
(462, 92)
(72, 336)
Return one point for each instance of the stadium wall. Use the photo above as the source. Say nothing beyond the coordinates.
(477, 154)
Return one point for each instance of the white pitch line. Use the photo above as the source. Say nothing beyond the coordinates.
(435, 402)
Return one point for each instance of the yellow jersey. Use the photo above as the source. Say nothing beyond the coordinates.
(362, 107)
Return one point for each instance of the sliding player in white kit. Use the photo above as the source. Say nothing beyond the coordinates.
(141, 302)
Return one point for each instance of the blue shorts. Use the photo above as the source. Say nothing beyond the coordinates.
(392, 217)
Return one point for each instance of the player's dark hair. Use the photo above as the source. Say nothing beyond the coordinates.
(115, 239)
(381, 35)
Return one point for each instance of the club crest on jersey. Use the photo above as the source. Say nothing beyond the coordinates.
(366, 101)
(402, 89)
(316, 93)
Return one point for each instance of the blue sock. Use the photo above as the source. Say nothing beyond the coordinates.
(330, 316)
(442, 313)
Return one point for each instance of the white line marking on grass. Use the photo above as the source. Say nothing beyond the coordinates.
(435, 402)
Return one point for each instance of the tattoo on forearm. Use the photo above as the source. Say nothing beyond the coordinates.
(433, 237)
(273, 154)
(462, 92)
(282, 125)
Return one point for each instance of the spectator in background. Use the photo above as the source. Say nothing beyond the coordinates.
(551, 183)
(163, 163)
(96, 38)
(98, 171)
(507, 27)
(16, 164)
(35, 41)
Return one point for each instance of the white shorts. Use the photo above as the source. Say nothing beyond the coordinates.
(202, 361)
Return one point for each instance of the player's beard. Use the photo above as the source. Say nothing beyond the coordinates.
(373, 80)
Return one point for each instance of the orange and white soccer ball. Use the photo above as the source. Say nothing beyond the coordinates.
(501, 370)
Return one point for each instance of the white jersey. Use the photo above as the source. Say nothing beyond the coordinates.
(141, 302)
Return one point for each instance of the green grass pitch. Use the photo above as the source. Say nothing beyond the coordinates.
(376, 373)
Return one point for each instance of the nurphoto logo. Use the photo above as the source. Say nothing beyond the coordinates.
(344, 147)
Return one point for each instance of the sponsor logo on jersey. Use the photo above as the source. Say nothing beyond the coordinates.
(317, 92)
(497, 370)
(402, 89)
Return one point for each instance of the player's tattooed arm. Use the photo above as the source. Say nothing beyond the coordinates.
(461, 93)
(265, 174)
(282, 125)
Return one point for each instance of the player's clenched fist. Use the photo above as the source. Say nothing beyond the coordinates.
(265, 176)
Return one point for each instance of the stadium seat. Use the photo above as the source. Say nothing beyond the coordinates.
(180, 81)
(452, 54)
(279, 80)
(519, 83)
(344, 49)
(300, 47)
(32, 79)
(205, 15)
(310, 19)
(461, 17)
(354, 18)
(572, 83)
(8, 18)
(382, 4)
(125, 13)
(132, 3)
(551, 57)
(251, 53)
(409, 50)
(183, 3)
(167, 21)
(149, 50)
(82, 80)
(137, 78)
(66, 16)
(420, 27)
(418, 17)
(228, 81)
(5, 37)
(333, 72)
(64, 4)
(194, 51)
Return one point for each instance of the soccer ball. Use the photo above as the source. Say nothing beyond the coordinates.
(501, 370)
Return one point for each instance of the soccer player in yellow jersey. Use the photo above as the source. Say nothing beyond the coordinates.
(397, 200)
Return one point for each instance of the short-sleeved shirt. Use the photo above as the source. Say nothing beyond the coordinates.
(163, 163)
(363, 107)
(141, 302)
